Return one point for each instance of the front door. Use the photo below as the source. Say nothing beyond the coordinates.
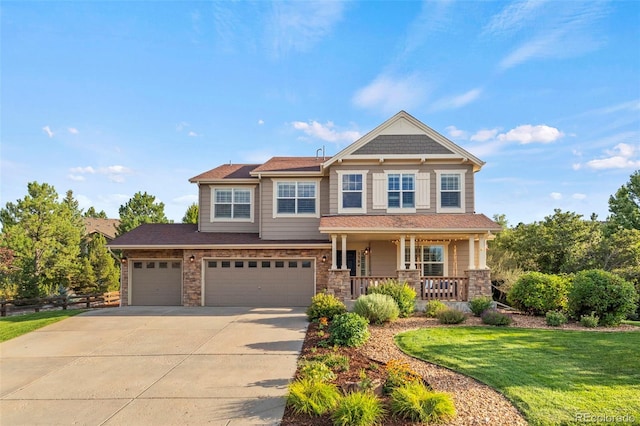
(351, 261)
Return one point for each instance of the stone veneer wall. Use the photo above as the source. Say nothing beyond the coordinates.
(339, 284)
(479, 283)
(192, 271)
(411, 277)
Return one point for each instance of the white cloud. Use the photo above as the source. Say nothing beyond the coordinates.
(185, 199)
(114, 169)
(620, 157)
(556, 195)
(392, 94)
(261, 122)
(528, 134)
(456, 133)
(513, 17)
(457, 101)
(47, 130)
(73, 130)
(193, 134)
(181, 126)
(114, 173)
(579, 196)
(87, 169)
(484, 135)
(326, 132)
(77, 178)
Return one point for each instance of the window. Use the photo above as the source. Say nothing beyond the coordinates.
(306, 264)
(266, 264)
(238, 264)
(352, 191)
(212, 264)
(163, 265)
(226, 264)
(279, 264)
(253, 264)
(430, 260)
(232, 204)
(451, 191)
(296, 198)
(137, 265)
(293, 264)
(401, 190)
(151, 265)
(175, 265)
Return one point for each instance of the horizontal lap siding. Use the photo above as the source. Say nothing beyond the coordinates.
(240, 227)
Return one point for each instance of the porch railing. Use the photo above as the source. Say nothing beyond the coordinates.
(431, 288)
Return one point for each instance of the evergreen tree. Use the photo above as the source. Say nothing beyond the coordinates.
(103, 265)
(141, 208)
(91, 212)
(191, 215)
(625, 206)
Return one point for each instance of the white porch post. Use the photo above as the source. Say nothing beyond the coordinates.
(412, 252)
(472, 254)
(344, 251)
(482, 253)
(334, 251)
(402, 250)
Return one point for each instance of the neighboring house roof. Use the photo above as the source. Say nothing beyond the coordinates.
(447, 222)
(290, 165)
(226, 171)
(106, 227)
(181, 235)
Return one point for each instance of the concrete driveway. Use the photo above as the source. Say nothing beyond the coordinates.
(153, 366)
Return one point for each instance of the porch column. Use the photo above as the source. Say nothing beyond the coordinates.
(344, 252)
(401, 265)
(412, 252)
(482, 253)
(334, 250)
(472, 254)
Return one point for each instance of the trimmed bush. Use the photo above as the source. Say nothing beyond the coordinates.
(404, 295)
(325, 305)
(589, 321)
(334, 361)
(451, 316)
(555, 318)
(537, 293)
(312, 397)
(494, 317)
(316, 370)
(433, 307)
(417, 403)
(602, 293)
(377, 308)
(480, 304)
(349, 329)
(358, 409)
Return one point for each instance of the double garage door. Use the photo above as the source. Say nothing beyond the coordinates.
(258, 282)
(156, 282)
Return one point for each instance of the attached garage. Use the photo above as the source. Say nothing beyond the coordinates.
(156, 282)
(259, 282)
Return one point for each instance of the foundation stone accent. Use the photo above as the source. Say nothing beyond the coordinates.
(411, 277)
(339, 284)
(479, 283)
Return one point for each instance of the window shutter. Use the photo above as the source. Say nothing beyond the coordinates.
(379, 191)
(422, 191)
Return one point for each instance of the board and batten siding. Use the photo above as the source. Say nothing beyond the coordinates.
(291, 227)
(205, 212)
(426, 176)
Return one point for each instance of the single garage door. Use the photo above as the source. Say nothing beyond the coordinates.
(156, 283)
(259, 283)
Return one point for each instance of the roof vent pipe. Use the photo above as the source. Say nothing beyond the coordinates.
(318, 150)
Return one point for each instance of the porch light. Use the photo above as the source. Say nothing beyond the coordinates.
(192, 259)
(366, 251)
(324, 259)
(123, 260)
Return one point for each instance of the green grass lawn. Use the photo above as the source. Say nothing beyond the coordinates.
(629, 322)
(550, 375)
(18, 325)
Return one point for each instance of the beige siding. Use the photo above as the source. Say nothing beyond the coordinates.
(462, 250)
(292, 228)
(383, 258)
(206, 225)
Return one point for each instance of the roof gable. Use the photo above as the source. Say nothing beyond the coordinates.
(403, 136)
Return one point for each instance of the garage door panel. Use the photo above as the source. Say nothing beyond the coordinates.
(156, 283)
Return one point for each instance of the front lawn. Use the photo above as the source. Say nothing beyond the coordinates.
(551, 376)
(17, 325)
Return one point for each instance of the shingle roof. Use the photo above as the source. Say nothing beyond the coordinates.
(291, 164)
(423, 222)
(226, 171)
(180, 235)
(106, 227)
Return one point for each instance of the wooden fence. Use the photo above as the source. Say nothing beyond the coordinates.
(83, 300)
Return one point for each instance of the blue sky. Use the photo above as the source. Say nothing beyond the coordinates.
(111, 98)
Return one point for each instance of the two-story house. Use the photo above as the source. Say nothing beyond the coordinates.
(396, 203)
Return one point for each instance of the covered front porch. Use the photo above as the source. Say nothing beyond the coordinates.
(440, 264)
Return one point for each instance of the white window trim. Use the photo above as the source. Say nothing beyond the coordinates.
(445, 255)
(415, 188)
(439, 208)
(231, 219)
(364, 174)
(295, 215)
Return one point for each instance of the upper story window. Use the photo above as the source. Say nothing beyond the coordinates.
(401, 190)
(298, 198)
(352, 191)
(451, 193)
(232, 204)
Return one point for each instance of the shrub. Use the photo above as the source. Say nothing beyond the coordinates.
(377, 308)
(399, 373)
(555, 318)
(416, 402)
(589, 321)
(606, 295)
(312, 397)
(480, 304)
(333, 361)
(404, 295)
(538, 293)
(451, 316)
(358, 409)
(494, 317)
(316, 370)
(325, 305)
(433, 307)
(349, 329)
